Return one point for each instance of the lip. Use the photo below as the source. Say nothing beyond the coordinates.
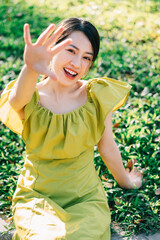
(71, 70)
(69, 75)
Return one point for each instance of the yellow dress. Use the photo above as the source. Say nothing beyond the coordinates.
(59, 194)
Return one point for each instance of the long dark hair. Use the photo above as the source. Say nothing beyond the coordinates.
(79, 24)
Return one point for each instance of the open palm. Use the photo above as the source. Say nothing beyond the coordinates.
(37, 56)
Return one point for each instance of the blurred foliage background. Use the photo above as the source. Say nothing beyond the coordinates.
(130, 51)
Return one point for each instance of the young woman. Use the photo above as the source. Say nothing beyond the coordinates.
(61, 119)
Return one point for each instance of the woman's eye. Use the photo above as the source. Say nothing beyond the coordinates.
(87, 58)
(70, 50)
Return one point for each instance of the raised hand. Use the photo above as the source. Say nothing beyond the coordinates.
(37, 56)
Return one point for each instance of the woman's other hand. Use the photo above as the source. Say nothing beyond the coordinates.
(37, 56)
(135, 178)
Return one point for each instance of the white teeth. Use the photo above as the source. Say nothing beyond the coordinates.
(71, 72)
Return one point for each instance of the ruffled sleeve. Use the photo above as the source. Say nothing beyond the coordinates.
(107, 94)
(30, 107)
(9, 116)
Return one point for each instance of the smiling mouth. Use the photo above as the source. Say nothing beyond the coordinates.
(70, 73)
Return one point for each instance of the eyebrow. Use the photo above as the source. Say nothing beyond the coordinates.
(78, 49)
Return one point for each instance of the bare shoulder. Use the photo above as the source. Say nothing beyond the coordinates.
(80, 92)
(83, 82)
(83, 89)
(42, 89)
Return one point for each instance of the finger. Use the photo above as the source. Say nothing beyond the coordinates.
(137, 171)
(138, 175)
(54, 37)
(27, 36)
(59, 47)
(43, 37)
(127, 170)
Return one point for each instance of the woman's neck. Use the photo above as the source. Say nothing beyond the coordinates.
(58, 89)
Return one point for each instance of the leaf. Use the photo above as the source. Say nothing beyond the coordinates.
(145, 100)
(116, 125)
(98, 170)
(9, 219)
(104, 178)
(117, 201)
(139, 220)
(130, 164)
(145, 91)
(108, 185)
(157, 139)
(9, 198)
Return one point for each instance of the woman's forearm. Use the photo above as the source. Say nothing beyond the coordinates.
(24, 88)
(112, 159)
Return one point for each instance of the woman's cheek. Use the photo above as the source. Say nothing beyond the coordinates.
(87, 66)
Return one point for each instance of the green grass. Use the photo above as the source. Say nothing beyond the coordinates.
(130, 51)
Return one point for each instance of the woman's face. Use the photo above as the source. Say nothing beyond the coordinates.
(72, 63)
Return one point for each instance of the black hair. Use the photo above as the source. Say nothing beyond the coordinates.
(79, 24)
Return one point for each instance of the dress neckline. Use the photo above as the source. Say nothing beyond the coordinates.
(67, 113)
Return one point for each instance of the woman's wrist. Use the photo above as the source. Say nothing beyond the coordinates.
(126, 181)
(30, 71)
(128, 185)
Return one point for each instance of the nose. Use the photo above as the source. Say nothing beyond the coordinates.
(76, 61)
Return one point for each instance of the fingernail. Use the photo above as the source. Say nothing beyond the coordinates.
(69, 39)
(52, 25)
